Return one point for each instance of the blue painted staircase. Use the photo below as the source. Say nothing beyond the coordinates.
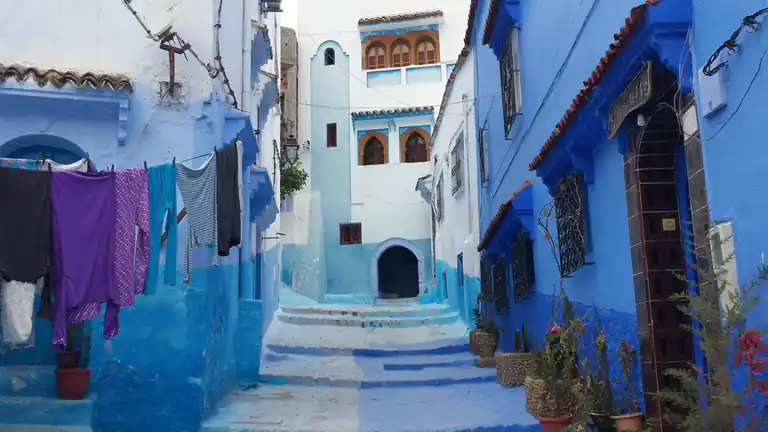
(29, 403)
(349, 368)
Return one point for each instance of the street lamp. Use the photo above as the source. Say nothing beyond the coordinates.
(291, 149)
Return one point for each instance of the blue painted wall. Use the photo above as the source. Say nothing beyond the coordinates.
(552, 74)
(735, 158)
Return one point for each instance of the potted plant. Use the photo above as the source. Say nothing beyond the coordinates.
(597, 387)
(631, 419)
(513, 368)
(477, 320)
(72, 381)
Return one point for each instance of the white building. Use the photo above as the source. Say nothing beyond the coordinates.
(454, 192)
(371, 76)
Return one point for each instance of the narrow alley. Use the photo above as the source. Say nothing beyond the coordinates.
(400, 216)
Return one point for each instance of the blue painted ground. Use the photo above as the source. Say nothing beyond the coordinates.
(363, 368)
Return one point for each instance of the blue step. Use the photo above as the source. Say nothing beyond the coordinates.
(45, 411)
(40, 428)
(28, 381)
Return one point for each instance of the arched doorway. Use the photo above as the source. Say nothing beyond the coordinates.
(41, 146)
(398, 273)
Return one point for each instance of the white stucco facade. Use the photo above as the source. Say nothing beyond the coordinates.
(359, 100)
(457, 231)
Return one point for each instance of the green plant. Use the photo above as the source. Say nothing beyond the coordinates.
(526, 340)
(293, 178)
(627, 358)
(597, 387)
(576, 427)
(712, 402)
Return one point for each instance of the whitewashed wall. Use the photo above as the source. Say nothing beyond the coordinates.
(458, 232)
(391, 208)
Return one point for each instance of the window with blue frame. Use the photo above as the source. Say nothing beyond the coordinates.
(511, 91)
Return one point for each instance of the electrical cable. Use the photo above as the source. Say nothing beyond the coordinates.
(751, 24)
(225, 80)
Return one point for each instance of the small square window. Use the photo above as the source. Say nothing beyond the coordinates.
(350, 233)
(330, 134)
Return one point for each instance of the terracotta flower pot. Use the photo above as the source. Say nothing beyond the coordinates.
(599, 423)
(554, 424)
(72, 383)
(67, 359)
(629, 422)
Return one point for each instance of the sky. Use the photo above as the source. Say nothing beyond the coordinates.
(289, 18)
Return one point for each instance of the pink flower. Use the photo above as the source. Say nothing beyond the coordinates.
(554, 329)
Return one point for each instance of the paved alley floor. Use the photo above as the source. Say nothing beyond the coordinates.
(484, 406)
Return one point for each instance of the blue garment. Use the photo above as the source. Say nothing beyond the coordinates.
(162, 201)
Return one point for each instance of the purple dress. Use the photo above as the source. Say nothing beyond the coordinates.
(82, 244)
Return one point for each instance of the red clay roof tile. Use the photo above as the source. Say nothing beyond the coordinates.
(495, 223)
(59, 79)
(621, 38)
(399, 17)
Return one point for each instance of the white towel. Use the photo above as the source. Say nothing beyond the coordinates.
(17, 302)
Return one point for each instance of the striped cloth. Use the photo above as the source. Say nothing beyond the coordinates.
(198, 190)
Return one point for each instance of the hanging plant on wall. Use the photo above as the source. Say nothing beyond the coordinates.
(293, 178)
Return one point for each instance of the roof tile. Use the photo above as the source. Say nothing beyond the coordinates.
(399, 17)
(390, 111)
(59, 79)
(635, 18)
(495, 223)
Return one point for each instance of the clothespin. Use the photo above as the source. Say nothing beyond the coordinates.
(145, 166)
(174, 161)
(113, 168)
(49, 167)
(87, 157)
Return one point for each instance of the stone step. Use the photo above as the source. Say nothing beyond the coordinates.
(38, 428)
(28, 381)
(328, 339)
(367, 311)
(462, 407)
(372, 371)
(45, 411)
(315, 319)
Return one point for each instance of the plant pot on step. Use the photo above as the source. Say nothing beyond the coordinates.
(487, 343)
(554, 424)
(629, 422)
(599, 422)
(72, 384)
(512, 368)
(474, 348)
(67, 359)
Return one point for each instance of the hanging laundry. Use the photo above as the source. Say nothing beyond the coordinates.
(198, 190)
(132, 211)
(83, 246)
(239, 145)
(227, 198)
(81, 165)
(162, 206)
(25, 224)
(17, 307)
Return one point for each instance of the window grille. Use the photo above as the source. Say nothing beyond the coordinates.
(509, 63)
(486, 282)
(523, 274)
(571, 219)
(500, 285)
(439, 199)
(457, 155)
(481, 148)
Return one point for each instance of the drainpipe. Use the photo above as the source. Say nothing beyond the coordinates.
(245, 61)
(468, 177)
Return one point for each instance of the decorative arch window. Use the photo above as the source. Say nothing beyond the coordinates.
(330, 57)
(426, 52)
(376, 56)
(401, 53)
(415, 146)
(373, 149)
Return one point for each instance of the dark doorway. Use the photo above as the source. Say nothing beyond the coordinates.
(657, 202)
(398, 274)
